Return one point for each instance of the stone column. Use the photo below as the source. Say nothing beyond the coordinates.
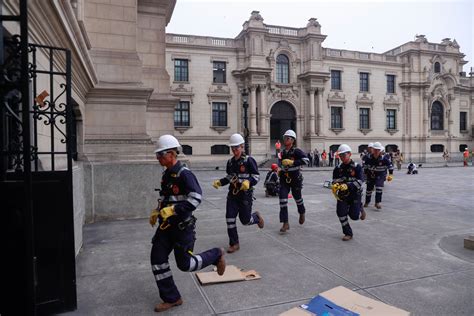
(311, 112)
(320, 112)
(253, 111)
(263, 110)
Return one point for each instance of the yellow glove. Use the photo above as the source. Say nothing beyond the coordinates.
(389, 178)
(335, 187)
(343, 187)
(287, 162)
(216, 184)
(245, 185)
(166, 212)
(153, 217)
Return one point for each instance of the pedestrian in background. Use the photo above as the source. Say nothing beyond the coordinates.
(446, 157)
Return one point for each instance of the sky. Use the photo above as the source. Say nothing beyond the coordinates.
(370, 25)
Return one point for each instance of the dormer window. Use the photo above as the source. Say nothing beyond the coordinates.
(437, 67)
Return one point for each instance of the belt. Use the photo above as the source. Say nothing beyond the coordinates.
(191, 220)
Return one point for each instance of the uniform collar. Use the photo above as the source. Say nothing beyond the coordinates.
(175, 168)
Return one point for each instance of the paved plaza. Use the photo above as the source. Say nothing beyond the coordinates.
(410, 254)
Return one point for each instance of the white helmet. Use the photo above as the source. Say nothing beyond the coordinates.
(344, 148)
(378, 146)
(371, 145)
(290, 133)
(167, 142)
(236, 140)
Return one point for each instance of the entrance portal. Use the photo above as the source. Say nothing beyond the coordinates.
(283, 118)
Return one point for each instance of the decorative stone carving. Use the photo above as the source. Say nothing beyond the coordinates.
(336, 96)
(219, 92)
(421, 39)
(365, 100)
(255, 16)
(288, 93)
(182, 91)
(313, 22)
(391, 101)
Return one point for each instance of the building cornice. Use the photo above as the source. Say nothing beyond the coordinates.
(363, 61)
(119, 95)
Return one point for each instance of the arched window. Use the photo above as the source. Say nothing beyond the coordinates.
(283, 69)
(437, 67)
(437, 116)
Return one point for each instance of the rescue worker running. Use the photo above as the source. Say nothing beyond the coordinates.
(242, 176)
(292, 159)
(376, 167)
(347, 188)
(180, 195)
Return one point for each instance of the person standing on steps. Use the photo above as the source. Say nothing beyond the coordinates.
(291, 179)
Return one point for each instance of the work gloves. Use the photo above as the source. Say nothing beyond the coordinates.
(287, 162)
(216, 184)
(245, 185)
(164, 213)
(389, 178)
(154, 217)
(340, 191)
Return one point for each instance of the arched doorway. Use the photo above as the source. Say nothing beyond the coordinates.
(283, 118)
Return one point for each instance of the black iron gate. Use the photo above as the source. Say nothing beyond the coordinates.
(37, 218)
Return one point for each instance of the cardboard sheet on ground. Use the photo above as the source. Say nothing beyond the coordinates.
(342, 301)
(231, 274)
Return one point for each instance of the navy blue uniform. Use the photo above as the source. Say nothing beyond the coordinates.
(376, 172)
(292, 179)
(239, 202)
(179, 187)
(272, 183)
(350, 174)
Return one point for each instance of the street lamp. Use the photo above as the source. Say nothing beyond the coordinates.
(245, 105)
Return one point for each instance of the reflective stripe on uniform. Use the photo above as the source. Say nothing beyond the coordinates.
(230, 220)
(229, 226)
(176, 198)
(162, 276)
(195, 195)
(157, 267)
(357, 184)
(193, 201)
(181, 170)
(199, 262)
(192, 263)
(299, 202)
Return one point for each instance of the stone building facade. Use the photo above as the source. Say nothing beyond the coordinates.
(414, 97)
(120, 92)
